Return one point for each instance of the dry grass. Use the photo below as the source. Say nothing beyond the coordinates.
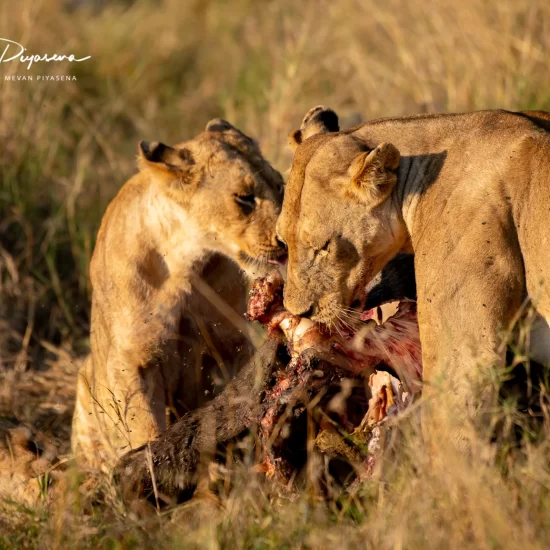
(160, 70)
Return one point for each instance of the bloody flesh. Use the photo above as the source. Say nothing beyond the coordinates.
(384, 350)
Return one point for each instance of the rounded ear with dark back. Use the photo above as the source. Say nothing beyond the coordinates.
(232, 136)
(374, 174)
(164, 159)
(318, 120)
(294, 139)
(219, 125)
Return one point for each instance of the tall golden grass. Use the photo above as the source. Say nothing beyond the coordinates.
(159, 70)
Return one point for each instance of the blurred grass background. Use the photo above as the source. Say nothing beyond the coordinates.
(160, 69)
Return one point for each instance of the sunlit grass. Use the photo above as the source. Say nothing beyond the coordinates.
(159, 71)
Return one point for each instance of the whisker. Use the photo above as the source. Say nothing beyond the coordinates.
(351, 311)
(351, 322)
(356, 316)
(349, 315)
(345, 323)
(337, 328)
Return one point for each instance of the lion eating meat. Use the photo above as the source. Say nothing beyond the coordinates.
(468, 194)
(357, 348)
(381, 346)
(358, 376)
(168, 292)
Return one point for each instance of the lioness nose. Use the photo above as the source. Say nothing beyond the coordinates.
(279, 243)
(305, 313)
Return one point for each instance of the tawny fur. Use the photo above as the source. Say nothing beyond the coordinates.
(198, 215)
(470, 197)
(24, 460)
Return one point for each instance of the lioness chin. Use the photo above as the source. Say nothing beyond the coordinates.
(469, 194)
(177, 237)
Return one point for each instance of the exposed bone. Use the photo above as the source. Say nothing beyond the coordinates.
(392, 337)
(388, 334)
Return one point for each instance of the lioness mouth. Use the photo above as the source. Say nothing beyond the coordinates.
(246, 258)
(280, 260)
(276, 259)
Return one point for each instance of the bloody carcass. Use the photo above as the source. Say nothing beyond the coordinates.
(335, 386)
(326, 364)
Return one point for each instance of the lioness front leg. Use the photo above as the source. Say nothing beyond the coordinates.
(462, 325)
(135, 402)
(177, 454)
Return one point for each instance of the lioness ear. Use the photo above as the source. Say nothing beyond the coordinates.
(318, 120)
(374, 174)
(232, 135)
(219, 125)
(165, 159)
(294, 139)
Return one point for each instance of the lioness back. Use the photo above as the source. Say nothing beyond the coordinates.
(173, 252)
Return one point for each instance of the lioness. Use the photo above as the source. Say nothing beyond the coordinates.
(193, 217)
(469, 194)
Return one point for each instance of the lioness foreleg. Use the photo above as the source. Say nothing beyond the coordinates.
(134, 403)
(462, 323)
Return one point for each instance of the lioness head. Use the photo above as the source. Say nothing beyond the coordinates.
(228, 192)
(338, 218)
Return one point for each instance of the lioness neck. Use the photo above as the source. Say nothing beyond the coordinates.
(423, 142)
(408, 189)
(172, 233)
(431, 145)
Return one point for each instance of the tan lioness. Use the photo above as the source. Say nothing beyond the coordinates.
(195, 217)
(469, 194)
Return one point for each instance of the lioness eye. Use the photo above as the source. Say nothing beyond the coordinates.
(246, 202)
